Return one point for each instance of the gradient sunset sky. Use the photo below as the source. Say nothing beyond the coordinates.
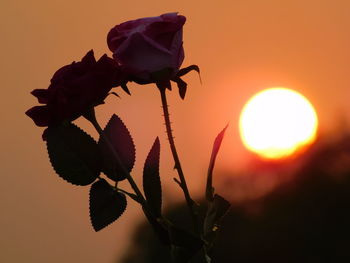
(241, 46)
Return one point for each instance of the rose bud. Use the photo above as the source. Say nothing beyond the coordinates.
(149, 49)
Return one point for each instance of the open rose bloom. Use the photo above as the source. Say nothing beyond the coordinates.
(148, 45)
(74, 89)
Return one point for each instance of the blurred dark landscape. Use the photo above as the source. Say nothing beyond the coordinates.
(303, 216)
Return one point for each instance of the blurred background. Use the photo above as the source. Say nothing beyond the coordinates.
(242, 47)
(287, 212)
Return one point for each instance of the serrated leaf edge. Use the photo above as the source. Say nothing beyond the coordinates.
(90, 216)
(48, 153)
(126, 128)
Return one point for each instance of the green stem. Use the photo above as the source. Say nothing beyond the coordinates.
(182, 183)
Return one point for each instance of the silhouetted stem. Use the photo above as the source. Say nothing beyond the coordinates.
(133, 184)
(182, 183)
(132, 196)
(138, 196)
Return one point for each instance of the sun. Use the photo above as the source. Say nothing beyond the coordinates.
(277, 122)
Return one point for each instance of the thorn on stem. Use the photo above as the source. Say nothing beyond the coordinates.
(178, 182)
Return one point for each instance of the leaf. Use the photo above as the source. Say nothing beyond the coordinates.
(217, 143)
(188, 69)
(123, 145)
(151, 180)
(216, 211)
(74, 155)
(182, 85)
(106, 204)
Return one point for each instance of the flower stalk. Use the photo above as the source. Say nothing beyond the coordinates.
(182, 183)
(92, 118)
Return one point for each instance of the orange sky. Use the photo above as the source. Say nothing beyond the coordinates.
(242, 46)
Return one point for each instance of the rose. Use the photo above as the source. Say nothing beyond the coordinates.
(149, 48)
(74, 89)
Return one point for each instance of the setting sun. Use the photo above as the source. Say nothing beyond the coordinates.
(277, 122)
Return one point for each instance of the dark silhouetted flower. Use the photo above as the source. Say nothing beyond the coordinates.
(74, 89)
(149, 49)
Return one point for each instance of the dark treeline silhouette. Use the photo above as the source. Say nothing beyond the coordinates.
(304, 220)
